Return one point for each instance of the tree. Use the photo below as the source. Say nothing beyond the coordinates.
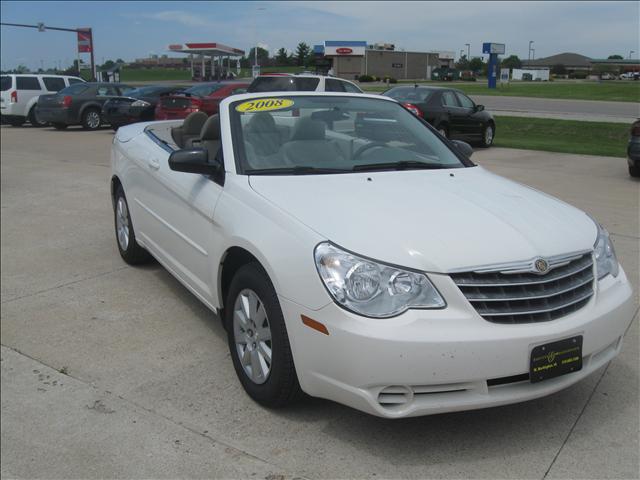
(463, 63)
(302, 53)
(511, 62)
(476, 64)
(122, 61)
(263, 56)
(282, 58)
(107, 65)
(22, 69)
(558, 69)
(615, 57)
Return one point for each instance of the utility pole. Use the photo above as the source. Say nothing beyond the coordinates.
(530, 49)
(631, 52)
(41, 27)
(468, 45)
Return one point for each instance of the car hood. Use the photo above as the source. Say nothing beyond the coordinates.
(435, 221)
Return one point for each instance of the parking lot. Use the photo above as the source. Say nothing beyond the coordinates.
(114, 371)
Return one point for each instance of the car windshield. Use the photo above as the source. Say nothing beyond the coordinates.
(5, 83)
(283, 84)
(332, 134)
(409, 94)
(204, 90)
(144, 91)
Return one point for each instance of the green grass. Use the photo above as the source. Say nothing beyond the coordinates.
(613, 90)
(566, 136)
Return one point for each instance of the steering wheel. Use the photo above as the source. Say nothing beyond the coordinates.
(366, 147)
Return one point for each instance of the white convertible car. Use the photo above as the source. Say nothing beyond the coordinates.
(356, 255)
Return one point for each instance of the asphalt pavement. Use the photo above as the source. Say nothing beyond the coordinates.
(113, 371)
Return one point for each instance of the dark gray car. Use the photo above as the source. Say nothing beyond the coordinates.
(79, 104)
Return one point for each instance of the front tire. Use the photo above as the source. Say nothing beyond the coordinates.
(634, 171)
(258, 339)
(488, 134)
(91, 119)
(34, 120)
(60, 126)
(15, 122)
(443, 129)
(130, 251)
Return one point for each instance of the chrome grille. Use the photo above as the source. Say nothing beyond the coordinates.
(502, 297)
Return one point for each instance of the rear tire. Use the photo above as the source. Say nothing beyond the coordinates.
(91, 119)
(34, 120)
(634, 171)
(15, 122)
(60, 126)
(130, 251)
(256, 332)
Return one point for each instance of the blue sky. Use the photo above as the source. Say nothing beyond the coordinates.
(133, 29)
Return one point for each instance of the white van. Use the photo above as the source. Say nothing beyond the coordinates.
(19, 95)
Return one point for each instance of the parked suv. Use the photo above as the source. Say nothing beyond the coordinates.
(20, 94)
(301, 83)
(79, 104)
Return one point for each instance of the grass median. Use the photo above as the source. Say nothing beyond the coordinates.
(613, 90)
(565, 136)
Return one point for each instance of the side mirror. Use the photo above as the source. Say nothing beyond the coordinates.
(194, 160)
(463, 147)
(479, 108)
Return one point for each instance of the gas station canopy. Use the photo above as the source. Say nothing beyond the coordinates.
(211, 49)
(201, 69)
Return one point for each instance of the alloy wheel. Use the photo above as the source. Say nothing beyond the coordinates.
(122, 223)
(488, 135)
(252, 335)
(93, 119)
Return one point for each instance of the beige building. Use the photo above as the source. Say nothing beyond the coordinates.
(350, 59)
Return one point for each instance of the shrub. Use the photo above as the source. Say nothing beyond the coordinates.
(366, 78)
(390, 79)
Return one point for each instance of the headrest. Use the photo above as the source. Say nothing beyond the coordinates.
(262, 122)
(308, 129)
(193, 123)
(211, 129)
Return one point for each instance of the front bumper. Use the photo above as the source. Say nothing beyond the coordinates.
(434, 361)
(633, 152)
(124, 115)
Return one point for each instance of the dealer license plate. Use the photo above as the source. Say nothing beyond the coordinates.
(554, 359)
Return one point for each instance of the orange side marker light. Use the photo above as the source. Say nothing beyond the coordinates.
(311, 323)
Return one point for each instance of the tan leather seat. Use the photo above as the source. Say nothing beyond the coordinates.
(210, 136)
(190, 129)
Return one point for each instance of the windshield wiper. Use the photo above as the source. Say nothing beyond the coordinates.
(402, 165)
(298, 170)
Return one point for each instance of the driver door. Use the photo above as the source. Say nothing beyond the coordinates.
(178, 225)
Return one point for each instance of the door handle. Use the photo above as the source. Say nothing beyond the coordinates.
(153, 163)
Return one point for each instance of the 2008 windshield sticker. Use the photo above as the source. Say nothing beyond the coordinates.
(264, 105)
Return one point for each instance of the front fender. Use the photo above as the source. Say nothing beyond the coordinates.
(281, 243)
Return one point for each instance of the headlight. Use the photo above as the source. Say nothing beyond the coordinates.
(371, 288)
(606, 261)
(140, 103)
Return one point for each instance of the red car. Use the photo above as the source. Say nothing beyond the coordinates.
(204, 97)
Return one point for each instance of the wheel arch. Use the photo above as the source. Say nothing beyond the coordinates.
(88, 105)
(115, 183)
(231, 261)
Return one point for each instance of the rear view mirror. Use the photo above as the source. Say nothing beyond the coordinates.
(194, 160)
(463, 147)
(479, 108)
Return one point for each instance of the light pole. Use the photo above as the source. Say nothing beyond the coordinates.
(530, 49)
(462, 54)
(255, 49)
(86, 33)
(630, 53)
(468, 45)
